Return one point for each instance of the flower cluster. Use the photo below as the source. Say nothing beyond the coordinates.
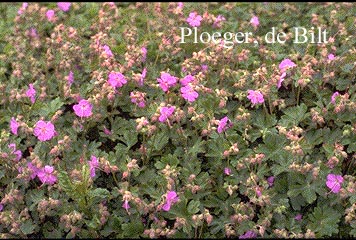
(171, 198)
(117, 79)
(194, 19)
(44, 131)
(255, 97)
(83, 108)
(166, 112)
(166, 81)
(112, 126)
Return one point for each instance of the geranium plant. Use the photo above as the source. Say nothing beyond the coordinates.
(111, 127)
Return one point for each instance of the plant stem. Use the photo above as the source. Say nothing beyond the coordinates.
(201, 231)
(265, 109)
(298, 94)
(270, 105)
(115, 179)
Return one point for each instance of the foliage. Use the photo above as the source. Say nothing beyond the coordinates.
(241, 163)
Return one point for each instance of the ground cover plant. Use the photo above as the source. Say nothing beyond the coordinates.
(112, 127)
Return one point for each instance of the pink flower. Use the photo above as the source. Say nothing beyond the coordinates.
(258, 191)
(298, 217)
(138, 98)
(334, 182)
(93, 164)
(194, 19)
(50, 15)
(248, 234)
(14, 126)
(22, 8)
(143, 75)
(270, 181)
(33, 170)
(171, 198)
(108, 51)
(254, 21)
(285, 64)
(224, 124)
(188, 93)
(126, 205)
(12, 146)
(46, 175)
(227, 171)
(331, 57)
(166, 81)
(166, 112)
(218, 21)
(70, 78)
(107, 131)
(144, 54)
(18, 153)
(32, 32)
(180, 5)
(333, 97)
(44, 130)
(255, 97)
(1, 207)
(117, 79)
(187, 79)
(281, 79)
(83, 108)
(31, 93)
(64, 6)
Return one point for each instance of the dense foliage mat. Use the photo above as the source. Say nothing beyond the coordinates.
(112, 127)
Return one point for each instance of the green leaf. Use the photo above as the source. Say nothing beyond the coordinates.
(116, 222)
(133, 229)
(130, 138)
(198, 147)
(193, 206)
(27, 227)
(47, 110)
(53, 233)
(352, 199)
(273, 147)
(297, 202)
(64, 182)
(99, 194)
(160, 140)
(2, 174)
(347, 68)
(85, 176)
(342, 84)
(353, 231)
(314, 137)
(294, 115)
(262, 120)
(300, 185)
(216, 147)
(120, 151)
(33, 197)
(324, 221)
(295, 190)
(309, 194)
(170, 159)
(94, 222)
(55, 104)
(160, 165)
